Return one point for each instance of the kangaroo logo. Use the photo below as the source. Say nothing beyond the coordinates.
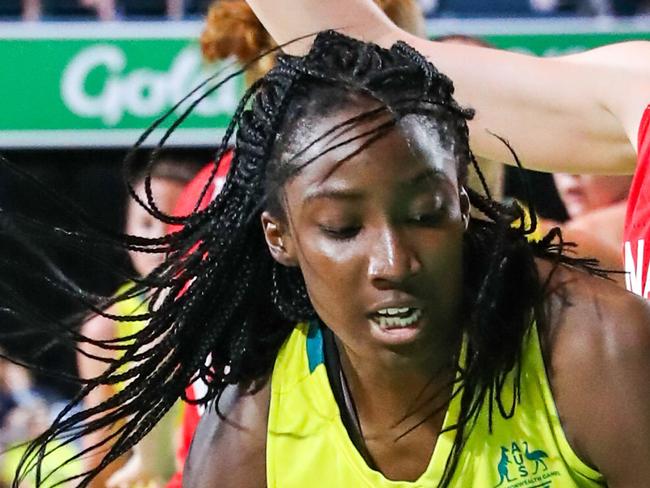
(502, 467)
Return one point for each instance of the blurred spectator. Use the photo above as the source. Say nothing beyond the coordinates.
(577, 7)
(25, 412)
(18, 393)
(591, 7)
(105, 9)
(175, 9)
(152, 460)
(31, 9)
(7, 400)
(596, 208)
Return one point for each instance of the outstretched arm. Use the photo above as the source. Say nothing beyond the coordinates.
(230, 451)
(572, 114)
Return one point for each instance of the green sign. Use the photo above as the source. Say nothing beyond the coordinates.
(546, 36)
(555, 45)
(97, 84)
(104, 91)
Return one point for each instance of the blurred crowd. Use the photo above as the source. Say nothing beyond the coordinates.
(107, 10)
(26, 410)
(104, 10)
(533, 8)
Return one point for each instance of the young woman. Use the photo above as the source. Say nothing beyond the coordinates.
(152, 462)
(356, 327)
(232, 29)
(583, 113)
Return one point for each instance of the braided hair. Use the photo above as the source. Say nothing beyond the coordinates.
(220, 307)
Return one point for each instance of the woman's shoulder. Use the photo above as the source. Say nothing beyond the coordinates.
(597, 344)
(581, 304)
(591, 319)
(229, 451)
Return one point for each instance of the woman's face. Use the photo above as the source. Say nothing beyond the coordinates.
(140, 223)
(584, 193)
(378, 240)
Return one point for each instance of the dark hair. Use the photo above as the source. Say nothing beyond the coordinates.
(220, 307)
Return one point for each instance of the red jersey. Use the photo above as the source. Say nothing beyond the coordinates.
(637, 221)
(186, 202)
(185, 205)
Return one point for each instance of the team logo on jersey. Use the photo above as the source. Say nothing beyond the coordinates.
(525, 467)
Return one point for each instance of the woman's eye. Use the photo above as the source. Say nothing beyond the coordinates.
(341, 233)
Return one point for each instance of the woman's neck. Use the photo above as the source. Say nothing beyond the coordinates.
(396, 392)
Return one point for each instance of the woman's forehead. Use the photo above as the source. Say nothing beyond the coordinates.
(424, 140)
(391, 164)
(414, 140)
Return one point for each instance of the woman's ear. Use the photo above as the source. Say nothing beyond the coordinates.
(465, 206)
(278, 240)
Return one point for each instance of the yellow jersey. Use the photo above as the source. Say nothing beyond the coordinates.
(130, 306)
(308, 445)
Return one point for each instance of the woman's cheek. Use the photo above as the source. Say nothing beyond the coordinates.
(328, 249)
(332, 270)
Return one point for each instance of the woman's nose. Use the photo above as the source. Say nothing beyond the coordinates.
(391, 260)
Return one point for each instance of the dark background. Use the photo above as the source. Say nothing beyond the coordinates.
(91, 179)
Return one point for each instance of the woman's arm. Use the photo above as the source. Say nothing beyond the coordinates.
(598, 346)
(574, 114)
(230, 452)
(99, 328)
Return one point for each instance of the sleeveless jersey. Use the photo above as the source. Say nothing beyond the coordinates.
(308, 445)
(636, 247)
(130, 306)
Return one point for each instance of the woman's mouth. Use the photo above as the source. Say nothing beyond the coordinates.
(396, 318)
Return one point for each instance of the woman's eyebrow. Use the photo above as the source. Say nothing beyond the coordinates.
(427, 175)
(333, 193)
